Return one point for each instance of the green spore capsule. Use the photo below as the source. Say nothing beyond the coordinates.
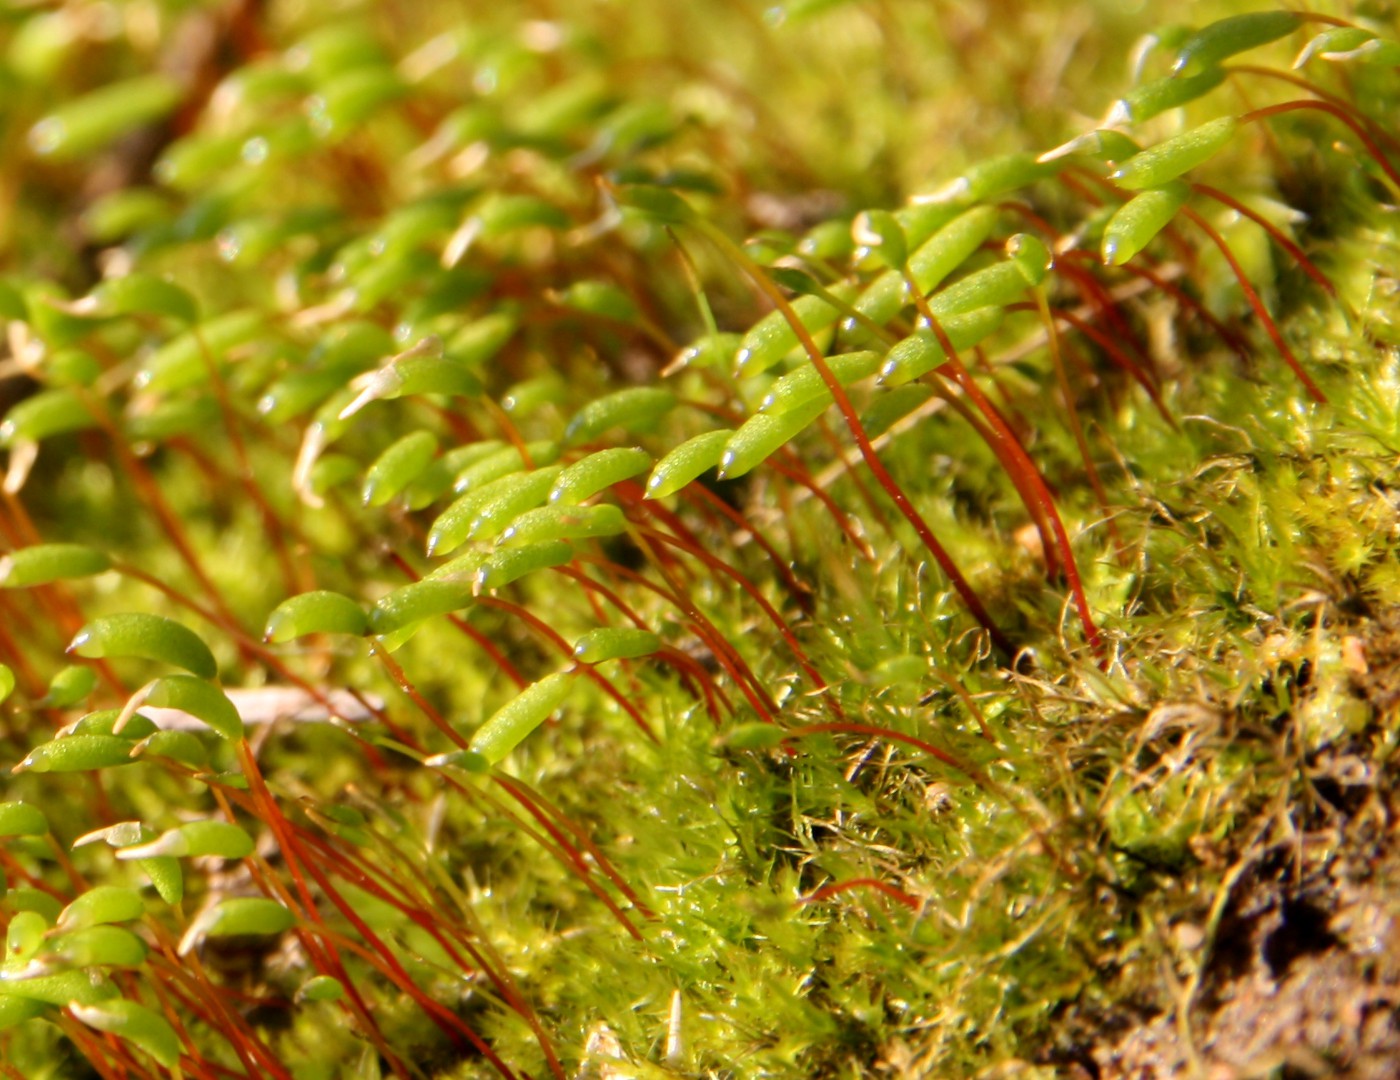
(483, 338)
(503, 461)
(806, 383)
(77, 753)
(181, 363)
(194, 839)
(15, 1010)
(998, 285)
(930, 263)
(992, 178)
(44, 415)
(183, 746)
(102, 904)
(760, 436)
(517, 718)
(1164, 162)
(144, 294)
(594, 473)
(638, 408)
(686, 462)
(24, 935)
(565, 522)
(43, 563)
(520, 493)
(243, 916)
(1150, 99)
(136, 1024)
(7, 682)
(153, 637)
(601, 298)
(921, 352)
(421, 600)
(202, 700)
(615, 643)
(73, 989)
(21, 819)
(772, 337)
(1225, 38)
(318, 612)
(104, 722)
(398, 466)
(755, 736)
(1134, 225)
(452, 527)
(102, 116)
(509, 564)
(712, 350)
(100, 946)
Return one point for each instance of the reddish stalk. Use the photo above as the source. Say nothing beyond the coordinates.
(826, 892)
(555, 638)
(921, 527)
(964, 379)
(1250, 295)
(1275, 233)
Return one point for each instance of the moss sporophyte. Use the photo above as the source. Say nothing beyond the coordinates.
(698, 540)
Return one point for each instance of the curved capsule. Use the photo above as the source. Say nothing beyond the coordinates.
(102, 904)
(40, 564)
(69, 686)
(77, 753)
(806, 383)
(930, 263)
(508, 564)
(45, 414)
(22, 819)
(760, 436)
(1164, 162)
(565, 522)
(1350, 43)
(180, 363)
(483, 338)
(398, 466)
(1134, 225)
(99, 946)
(202, 700)
(418, 601)
(637, 408)
(1150, 99)
(222, 839)
(453, 526)
(1225, 38)
(136, 1024)
(104, 722)
(519, 493)
(594, 473)
(152, 637)
(998, 285)
(991, 178)
(615, 643)
(144, 294)
(71, 989)
(24, 935)
(686, 462)
(712, 350)
(921, 352)
(509, 726)
(101, 116)
(318, 612)
(503, 462)
(772, 338)
(242, 916)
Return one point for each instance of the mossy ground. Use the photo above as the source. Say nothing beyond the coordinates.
(1130, 837)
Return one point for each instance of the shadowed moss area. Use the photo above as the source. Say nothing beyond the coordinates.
(638, 540)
